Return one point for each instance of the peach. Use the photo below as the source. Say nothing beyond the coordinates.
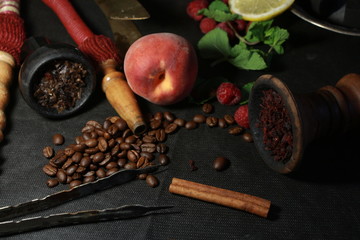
(161, 67)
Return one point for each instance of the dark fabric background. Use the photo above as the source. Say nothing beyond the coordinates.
(321, 202)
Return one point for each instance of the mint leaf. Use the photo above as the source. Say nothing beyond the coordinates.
(219, 11)
(256, 31)
(275, 37)
(215, 45)
(245, 92)
(248, 58)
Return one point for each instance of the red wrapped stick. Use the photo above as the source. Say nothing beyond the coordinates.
(12, 37)
(103, 50)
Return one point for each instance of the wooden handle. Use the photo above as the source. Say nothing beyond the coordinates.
(7, 63)
(121, 97)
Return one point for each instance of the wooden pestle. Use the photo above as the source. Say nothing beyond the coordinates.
(7, 63)
(102, 50)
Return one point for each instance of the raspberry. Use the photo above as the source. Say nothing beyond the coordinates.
(241, 116)
(228, 93)
(240, 25)
(207, 24)
(194, 6)
(224, 26)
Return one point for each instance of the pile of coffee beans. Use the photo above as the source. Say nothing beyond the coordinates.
(104, 148)
(61, 86)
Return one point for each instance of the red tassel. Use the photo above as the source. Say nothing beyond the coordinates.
(100, 48)
(12, 35)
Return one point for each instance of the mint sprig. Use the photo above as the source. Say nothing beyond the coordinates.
(249, 52)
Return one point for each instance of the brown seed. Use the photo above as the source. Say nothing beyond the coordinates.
(61, 176)
(199, 118)
(49, 170)
(161, 148)
(48, 152)
(133, 155)
(163, 159)
(121, 124)
(88, 179)
(102, 144)
(121, 162)
(130, 165)
(98, 157)
(229, 119)
(152, 181)
(58, 139)
(70, 170)
(169, 116)
(112, 171)
(142, 176)
(211, 121)
(222, 123)
(160, 135)
(74, 183)
(53, 182)
(130, 139)
(191, 125)
(155, 124)
(140, 162)
(180, 122)
(100, 173)
(77, 157)
(158, 116)
(148, 147)
(92, 142)
(111, 165)
(67, 163)
(171, 128)
(236, 130)
(247, 137)
(221, 163)
(207, 108)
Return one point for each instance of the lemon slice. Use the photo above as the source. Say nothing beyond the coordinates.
(259, 10)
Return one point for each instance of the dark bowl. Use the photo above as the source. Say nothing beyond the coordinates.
(40, 61)
(266, 82)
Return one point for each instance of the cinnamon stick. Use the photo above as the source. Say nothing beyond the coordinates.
(224, 197)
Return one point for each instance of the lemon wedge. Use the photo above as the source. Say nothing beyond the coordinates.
(259, 10)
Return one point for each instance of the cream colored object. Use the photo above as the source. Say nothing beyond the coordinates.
(259, 10)
(7, 63)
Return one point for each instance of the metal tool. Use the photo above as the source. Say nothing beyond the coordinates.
(89, 216)
(124, 9)
(120, 177)
(124, 31)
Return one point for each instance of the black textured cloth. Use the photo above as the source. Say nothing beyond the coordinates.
(321, 202)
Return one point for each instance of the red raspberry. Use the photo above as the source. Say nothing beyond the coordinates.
(241, 116)
(240, 25)
(194, 6)
(224, 26)
(226, 2)
(207, 24)
(228, 94)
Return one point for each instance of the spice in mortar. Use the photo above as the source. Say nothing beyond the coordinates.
(274, 120)
(61, 86)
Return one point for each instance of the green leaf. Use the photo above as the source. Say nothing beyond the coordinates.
(256, 31)
(249, 59)
(219, 11)
(215, 45)
(275, 37)
(245, 92)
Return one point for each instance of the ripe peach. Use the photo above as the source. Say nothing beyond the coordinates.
(161, 67)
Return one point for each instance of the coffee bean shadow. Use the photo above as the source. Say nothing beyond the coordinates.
(274, 212)
(331, 160)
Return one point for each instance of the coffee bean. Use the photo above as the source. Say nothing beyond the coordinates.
(121, 162)
(79, 140)
(53, 182)
(211, 121)
(148, 155)
(229, 119)
(171, 128)
(165, 123)
(106, 160)
(236, 130)
(68, 179)
(92, 142)
(59, 158)
(127, 133)
(142, 176)
(61, 176)
(89, 179)
(92, 150)
(130, 139)
(98, 157)
(75, 183)
(125, 146)
(222, 123)
(80, 147)
(111, 165)
(130, 165)
(102, 144)
(180, 122)
(133, 155)
(93, 123)
(155, 124)
(112, 171)
(113, 130)
(89, 173)
(152, 181)
(207, 108)
(169, 116)
(161, 148)
(48, 152)
(158, 116)
(49, 170)
(160, 135)
(67, 164)
(199, 118)
(106, 124)
(221, 163)
(100, 173)
(163, 159)
(80, 169)
(87, 129)
(76, 158)
(140, 162)
(58, 139)
(122, 154)
(247, 137)
(121, 124)
(148, 147)
(70, 170)
(190, 125)
(69, 151)
(149, 139)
